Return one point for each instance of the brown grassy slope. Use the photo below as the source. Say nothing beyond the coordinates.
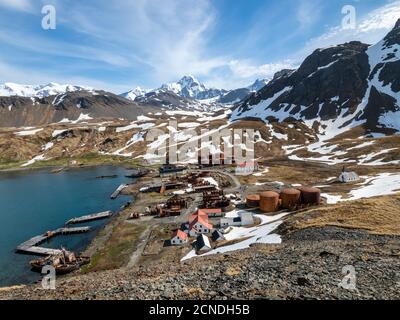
(380, 215)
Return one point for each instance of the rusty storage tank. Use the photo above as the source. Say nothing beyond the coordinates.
(253, 201)
(269, 201)
(290, 198)
(310, 195)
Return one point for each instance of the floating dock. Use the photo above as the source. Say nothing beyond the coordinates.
(90, 217)
(32, 245)
(118, 191)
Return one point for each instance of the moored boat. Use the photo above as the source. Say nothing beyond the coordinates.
(63, 263)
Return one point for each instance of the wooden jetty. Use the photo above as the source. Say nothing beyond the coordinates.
(90, 217)
(32, 245)
(118, 191)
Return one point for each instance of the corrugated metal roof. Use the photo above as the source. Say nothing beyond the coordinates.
(202, 242)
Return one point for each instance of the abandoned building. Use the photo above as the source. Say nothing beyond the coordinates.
(348, 176)
(178, 238)
(243, 219)
(215, 199)
(199, 226)
(202, 243)
(212, 213)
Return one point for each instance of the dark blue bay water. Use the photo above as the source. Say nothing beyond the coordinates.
(32, 203)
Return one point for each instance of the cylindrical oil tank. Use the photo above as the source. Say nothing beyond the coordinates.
(253, 201)
(269, 201)
(310, 195)
(290, 198)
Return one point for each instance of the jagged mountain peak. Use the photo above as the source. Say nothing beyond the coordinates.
(258, 84)
(393, 37)
(134, 93)
(397, 25)
(189, 87)
(189, 80)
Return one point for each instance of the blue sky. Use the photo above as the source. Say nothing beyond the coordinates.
(118, 45)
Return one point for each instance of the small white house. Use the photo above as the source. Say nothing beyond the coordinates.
(199, 226)
(179, 238)
(231, 222)
(243, 219)
(347, 177)
(203, 243)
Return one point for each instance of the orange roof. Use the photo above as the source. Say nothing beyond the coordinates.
(198, 213)
(202, 221)
(208, 211)
(180, 234)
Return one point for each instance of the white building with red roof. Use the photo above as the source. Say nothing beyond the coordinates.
(199, 226)
(198, 213)
(178, 238)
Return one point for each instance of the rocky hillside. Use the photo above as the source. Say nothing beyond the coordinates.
(17, 111)
(335, 89)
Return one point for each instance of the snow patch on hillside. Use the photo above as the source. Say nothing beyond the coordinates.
(28, 132)
(261, 234)
(380, 185)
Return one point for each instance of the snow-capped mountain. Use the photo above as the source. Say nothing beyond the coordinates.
(258, 85)
(336, 89)
(133, 94)
(40, 91)
(190, 87)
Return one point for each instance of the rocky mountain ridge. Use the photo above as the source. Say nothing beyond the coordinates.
(336, 89)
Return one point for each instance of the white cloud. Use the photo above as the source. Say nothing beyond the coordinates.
(247, 70)
(308, 13)
(21, 5)
(242, 73)
(169, 37)
(369, 29)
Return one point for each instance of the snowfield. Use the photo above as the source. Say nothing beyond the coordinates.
(262, 233)
(380, 185)
(134, 125)
(28, 132)
(37, 158)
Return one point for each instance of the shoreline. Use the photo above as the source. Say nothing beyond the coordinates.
(103, 239)
(94, 241)
(27, 169)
